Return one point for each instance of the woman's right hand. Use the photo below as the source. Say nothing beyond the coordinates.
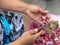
(29, 37)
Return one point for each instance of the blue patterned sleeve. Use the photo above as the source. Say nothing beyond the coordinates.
(16, 27)
(1, 34)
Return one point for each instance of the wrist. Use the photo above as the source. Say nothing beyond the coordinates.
(18, 42)
(25, 8)
(22, 7)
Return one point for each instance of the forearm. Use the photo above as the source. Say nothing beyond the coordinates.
(13, 5)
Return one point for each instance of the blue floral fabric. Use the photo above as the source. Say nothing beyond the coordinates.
(15, 21)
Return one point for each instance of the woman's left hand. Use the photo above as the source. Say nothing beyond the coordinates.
(35, 12)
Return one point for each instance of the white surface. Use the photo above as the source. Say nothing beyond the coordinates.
(55, 17)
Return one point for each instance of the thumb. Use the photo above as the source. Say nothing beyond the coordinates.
(38, 34)
(43, 11)
(33, 31)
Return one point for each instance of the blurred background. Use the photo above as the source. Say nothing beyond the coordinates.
(53, 6)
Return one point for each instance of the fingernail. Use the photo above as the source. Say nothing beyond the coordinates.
(46, 11)
(36, 30)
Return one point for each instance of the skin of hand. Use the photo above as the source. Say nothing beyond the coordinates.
(32, 11)
(28, 37)
(35, 12)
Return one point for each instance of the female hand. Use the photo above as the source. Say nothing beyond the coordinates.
(35, 12)
(29, 37)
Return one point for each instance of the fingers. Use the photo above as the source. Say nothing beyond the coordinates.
(31, 16)
(34, 31)
(38, 34)
(42, 19)
(34, 17)
(38, 19)
(48, 18)
(43, 12)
